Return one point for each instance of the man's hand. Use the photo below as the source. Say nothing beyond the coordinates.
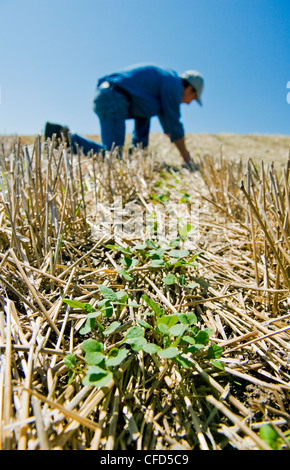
(190, 165)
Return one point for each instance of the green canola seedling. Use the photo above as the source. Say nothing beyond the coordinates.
(174, 336)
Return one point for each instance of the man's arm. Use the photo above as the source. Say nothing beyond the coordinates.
(180, 144)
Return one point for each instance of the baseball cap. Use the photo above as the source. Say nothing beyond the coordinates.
(195, 79)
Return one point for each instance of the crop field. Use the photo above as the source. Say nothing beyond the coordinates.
(144, 307)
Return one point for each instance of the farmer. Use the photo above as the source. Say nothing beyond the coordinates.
(139, 93)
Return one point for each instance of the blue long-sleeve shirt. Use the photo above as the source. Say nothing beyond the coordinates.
(154, 91)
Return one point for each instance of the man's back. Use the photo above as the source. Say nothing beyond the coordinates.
(149, 87)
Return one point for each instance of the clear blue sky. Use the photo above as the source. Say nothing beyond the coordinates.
(53, 51)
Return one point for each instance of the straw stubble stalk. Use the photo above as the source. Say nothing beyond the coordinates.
(91, 402)
(49, 199)
(34, 294)
(110, 445)
(253, 231)
(267, 235)
(7, 395)
(103, 416)
(25, 397)
(238, 422)
(195, 420)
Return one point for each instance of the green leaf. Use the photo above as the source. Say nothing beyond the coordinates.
(106, 308)
(125, 251)
(70, 361)
(89, 308)
(129, 262)
(134, 332)
(116, 356)
(177, 330)
(162, 198)
(184, 231)
(188, 318)
(168, 353)
(141, 247)
(125, 275)
(175, 243)
(217, 364)
(112, 328)
(88, 326)
(188, 339)
(144, 324)
(168, 320)
(151, 244)
(94, 357)
(192, 285)
(74, 303)
(192, 264)
(163, 329)
(157, 253)
(92, 345)
(202, 337)
(135, 338)
(94, 314)
(181, 280)
(169, 279)
(184, 199)
(151, 348)
(96, 370)
(136, 342)
(215, 351)
(122, 297)
(196, 255)
(178, 253)
(176, 262)
(209, 331)
(184, 362)
(135, 262)
(269, 435)
(97, 377)
(71, 375)
(133, 304)
(108, 293)
(100, 327)
(194, 348)
(157, 263)
(158, 310)
(78, 208)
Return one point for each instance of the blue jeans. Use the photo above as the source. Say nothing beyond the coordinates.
(86, 144)
(141, 132)
(113, 108)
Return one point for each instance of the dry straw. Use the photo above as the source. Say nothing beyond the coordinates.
(53, 246)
